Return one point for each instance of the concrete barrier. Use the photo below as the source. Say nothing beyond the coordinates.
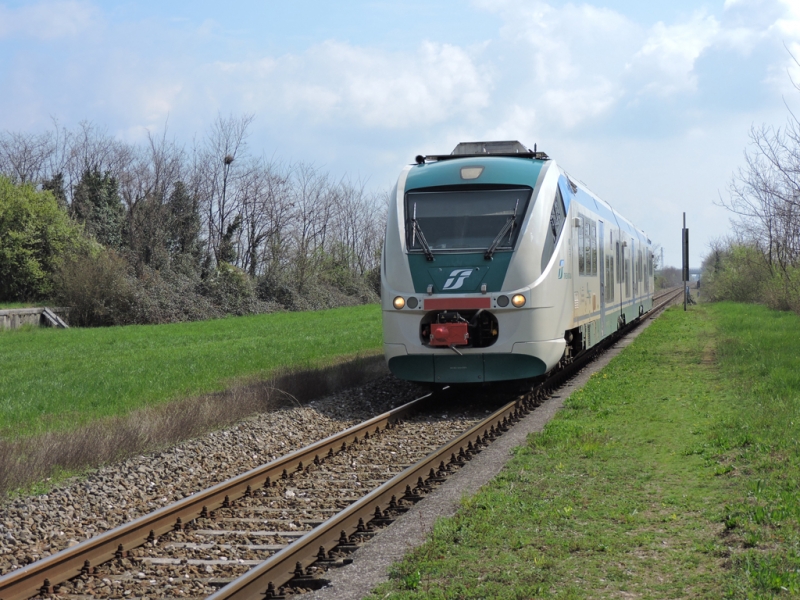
(11, 318)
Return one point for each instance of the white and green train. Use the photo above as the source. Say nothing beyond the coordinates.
(497, 265)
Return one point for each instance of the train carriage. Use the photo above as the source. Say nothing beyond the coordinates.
(497, 265)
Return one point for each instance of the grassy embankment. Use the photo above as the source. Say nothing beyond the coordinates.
(79, 398)
(674, 473)
(57, 379)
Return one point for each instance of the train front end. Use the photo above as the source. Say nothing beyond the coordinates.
(465, 292)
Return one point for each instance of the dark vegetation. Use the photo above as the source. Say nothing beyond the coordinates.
(668, 277)
(159, 233)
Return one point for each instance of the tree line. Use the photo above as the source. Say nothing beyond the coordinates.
(159, 232)
(761, 261)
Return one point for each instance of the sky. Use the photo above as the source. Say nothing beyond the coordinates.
(648, 103)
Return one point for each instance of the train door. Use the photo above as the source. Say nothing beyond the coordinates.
(633, 271)
(577, 264)
(620, 269)
(601, 271)
(627, 273)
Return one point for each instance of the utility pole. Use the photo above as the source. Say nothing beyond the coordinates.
(685, 270)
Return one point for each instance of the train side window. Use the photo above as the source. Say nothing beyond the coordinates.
(627, 276)
(557, 219)
(609, 278)
(587, 247)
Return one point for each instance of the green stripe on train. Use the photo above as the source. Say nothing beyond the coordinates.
(467, 368)
(440, 271)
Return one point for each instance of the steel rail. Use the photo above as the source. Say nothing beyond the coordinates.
(673, 294)
(292, 561)
(45, 574)
(666, 292)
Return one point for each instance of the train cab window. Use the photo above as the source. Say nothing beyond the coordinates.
(587, 247)
(557, 219)
(465, 219)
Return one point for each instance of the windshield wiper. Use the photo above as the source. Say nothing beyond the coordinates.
(507, 228)
(417, 230)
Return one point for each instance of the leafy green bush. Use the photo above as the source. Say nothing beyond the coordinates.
(35, 236)
(735, 272)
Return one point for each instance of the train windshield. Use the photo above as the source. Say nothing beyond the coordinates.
(465, 219)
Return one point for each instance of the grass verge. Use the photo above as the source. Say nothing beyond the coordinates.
(56, 380)
(31, 465)
(672, 474)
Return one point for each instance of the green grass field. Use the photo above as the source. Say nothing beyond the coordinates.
(55, 379)
(674, 473)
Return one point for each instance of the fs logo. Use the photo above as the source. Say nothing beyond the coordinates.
(457, 279)
(561, 269)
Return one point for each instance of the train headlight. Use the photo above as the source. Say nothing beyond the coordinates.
(518, 300)
(502, 301)
(412, 302)
(399, 302)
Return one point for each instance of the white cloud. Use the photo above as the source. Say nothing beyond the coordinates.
(569, 61)
(520, 123)
(669, 53)
(789, 23)
(47, 20)
(335, 80)
(572, 106)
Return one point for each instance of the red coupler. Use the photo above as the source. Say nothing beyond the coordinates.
(449, 334)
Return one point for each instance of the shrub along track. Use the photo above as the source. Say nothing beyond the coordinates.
(278, 516)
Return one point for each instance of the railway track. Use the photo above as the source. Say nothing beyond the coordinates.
(276, 529)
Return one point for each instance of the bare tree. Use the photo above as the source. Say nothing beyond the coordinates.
(314, 200)
(765, 194)
(24, 156)
(221, 176)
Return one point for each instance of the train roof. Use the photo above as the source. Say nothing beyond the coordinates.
(508, 148)
(603, 208)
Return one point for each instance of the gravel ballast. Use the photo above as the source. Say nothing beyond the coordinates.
(34, 527)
